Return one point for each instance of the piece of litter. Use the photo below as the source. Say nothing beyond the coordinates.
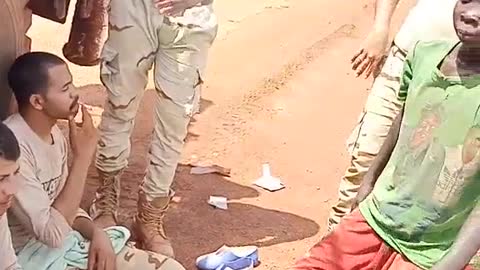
(267, 181)
(210, 169)
(218, 202)
(176, 199)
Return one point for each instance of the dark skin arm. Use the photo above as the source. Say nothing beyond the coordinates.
(465, 246)
(380, 161)
(387, 148)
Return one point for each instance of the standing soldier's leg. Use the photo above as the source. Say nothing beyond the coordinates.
(127, 56)
(15, 19)
(179, 66)
(365, 141)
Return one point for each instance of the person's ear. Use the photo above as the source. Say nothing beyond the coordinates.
(37, 102)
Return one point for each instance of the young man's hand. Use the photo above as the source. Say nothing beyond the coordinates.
(101, 255)
(83, 137)
(369, 58)
(176, 7)
(363, 192)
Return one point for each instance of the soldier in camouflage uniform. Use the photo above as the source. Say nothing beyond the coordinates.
(174, 37)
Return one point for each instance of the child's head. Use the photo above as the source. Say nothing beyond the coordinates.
(466, 20)
(42, 81)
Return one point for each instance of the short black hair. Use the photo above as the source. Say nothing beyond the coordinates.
(9, 148)
(29, 75)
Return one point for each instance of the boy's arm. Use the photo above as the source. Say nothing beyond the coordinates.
(386, 150)
(465, 246)
(379, 162)
(32, 207)
(68, 201)
(370, 55)
(50, 223)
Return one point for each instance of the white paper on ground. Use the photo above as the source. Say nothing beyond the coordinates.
(267, 181)
(218, 202)
(197, 169)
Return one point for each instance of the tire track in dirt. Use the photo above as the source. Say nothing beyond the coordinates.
(224, 124)
(234, 117)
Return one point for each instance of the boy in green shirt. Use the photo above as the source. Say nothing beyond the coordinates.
(419, 203)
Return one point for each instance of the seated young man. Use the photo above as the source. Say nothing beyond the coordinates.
(9, 154)
(420, 199)
(46, 206)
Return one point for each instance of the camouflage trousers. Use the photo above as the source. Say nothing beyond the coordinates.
(132, 259)
(15, 19)
(141, 38)
(364, 143)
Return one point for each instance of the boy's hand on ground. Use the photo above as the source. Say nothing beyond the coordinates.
(370, 56)
(101, 255)
(83, 137)
(175, 7)
(363, 192)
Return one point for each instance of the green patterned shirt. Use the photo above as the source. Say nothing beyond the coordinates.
(432, 181)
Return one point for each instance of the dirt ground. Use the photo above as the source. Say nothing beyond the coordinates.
(279, 90)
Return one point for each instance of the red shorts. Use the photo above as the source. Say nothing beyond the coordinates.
(354, 246)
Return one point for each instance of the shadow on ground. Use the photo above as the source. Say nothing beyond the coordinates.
(194, 226)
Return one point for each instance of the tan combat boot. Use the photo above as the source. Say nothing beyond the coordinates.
(104, 209)
(149, 225)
